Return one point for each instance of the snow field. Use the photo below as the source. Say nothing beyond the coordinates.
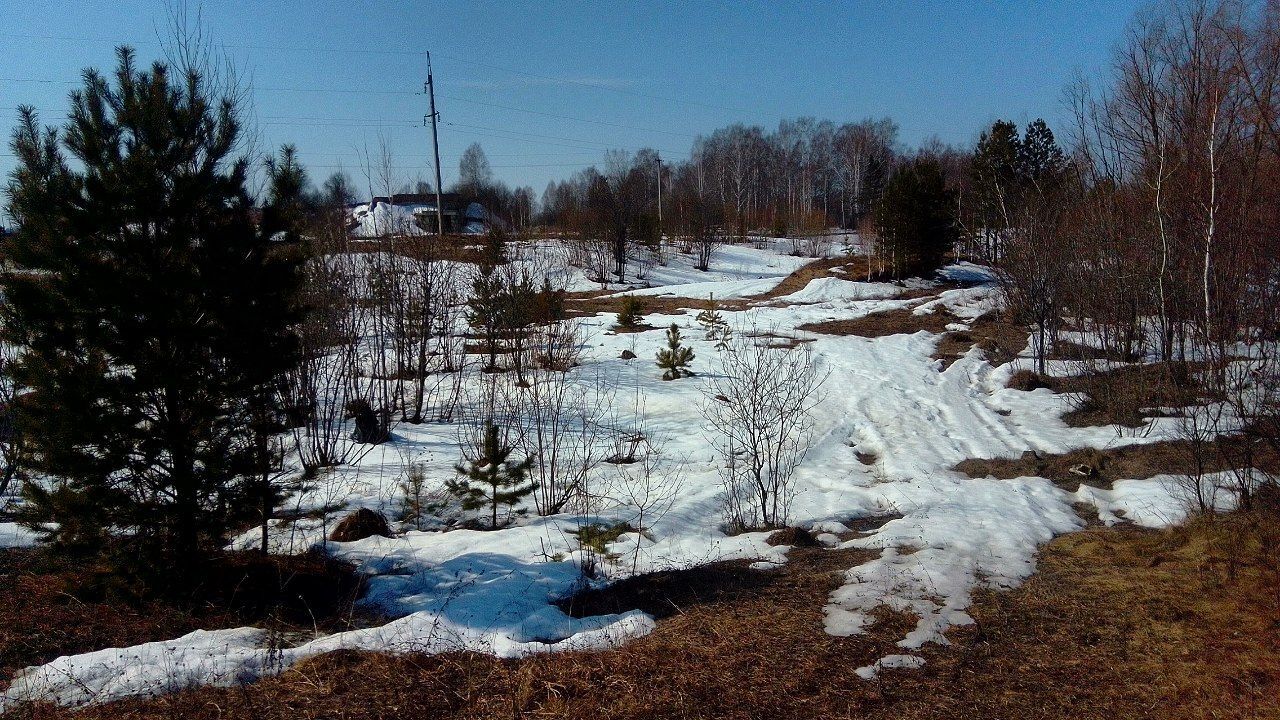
(883, 398)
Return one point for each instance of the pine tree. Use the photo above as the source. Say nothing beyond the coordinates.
(916, 219)
(631, 314)
(491, 480)
(675, 359)
(713, 323)
(997, 178)
(1041, 161)
(151, 316)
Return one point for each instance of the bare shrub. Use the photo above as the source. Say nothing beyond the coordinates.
(561, 423)
(758, 407)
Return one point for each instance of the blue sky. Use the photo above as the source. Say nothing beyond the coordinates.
(335, 78)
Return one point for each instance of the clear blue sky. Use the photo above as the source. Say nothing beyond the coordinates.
(333, 77)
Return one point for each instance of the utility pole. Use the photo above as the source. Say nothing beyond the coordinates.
(435, 145)
(659, 201)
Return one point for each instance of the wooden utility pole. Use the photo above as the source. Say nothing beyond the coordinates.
(659, 201)
(435, 145)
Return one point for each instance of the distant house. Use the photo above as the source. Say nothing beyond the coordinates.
(415, 214)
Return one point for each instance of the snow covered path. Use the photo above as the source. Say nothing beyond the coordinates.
(884, 398)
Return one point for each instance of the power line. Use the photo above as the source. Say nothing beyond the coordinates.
(596, 86)
(470, 101)
(565, 117)
(582, 144)
(406, 53)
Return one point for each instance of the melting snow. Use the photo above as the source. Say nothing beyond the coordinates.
(884, 397)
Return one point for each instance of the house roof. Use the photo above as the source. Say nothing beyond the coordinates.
(449, 201)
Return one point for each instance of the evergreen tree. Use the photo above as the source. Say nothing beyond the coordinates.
(1041, 162)
(713, 323)
(675, 358)
(997, 177)
(487, 308)
(549, 304)
(152, 317)
(631, 314)
(916, 219)
(491, 480)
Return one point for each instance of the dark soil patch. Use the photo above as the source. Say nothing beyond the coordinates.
(784, 342)
(593, 303)
(642, 327)
(870, 523)
(664, 594)
(308, 592)
(792, 536)
(359, 525)
(882, 324)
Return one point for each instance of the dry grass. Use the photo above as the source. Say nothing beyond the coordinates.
(882, 324)
(999, 339)
(1103, 467)
(594, 301)
(456, 248)
(1117, 623)
(52, 606)
(1122, 396)
(854, 267)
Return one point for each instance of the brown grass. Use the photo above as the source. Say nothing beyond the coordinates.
(855, 267)
(999, 339)
(1175, 457)
(881, 324)
(52, 606)
(593, 301)
(1117, 623)
(457, 248)
(1119, 396)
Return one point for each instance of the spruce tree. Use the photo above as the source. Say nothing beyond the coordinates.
(152, 317)
(492, 480)
(675, 358)
(487, 308)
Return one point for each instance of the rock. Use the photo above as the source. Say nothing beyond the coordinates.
(359, 525)
(627, 355)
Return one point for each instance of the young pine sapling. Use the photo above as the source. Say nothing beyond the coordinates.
(675, 358)
(492, 480)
